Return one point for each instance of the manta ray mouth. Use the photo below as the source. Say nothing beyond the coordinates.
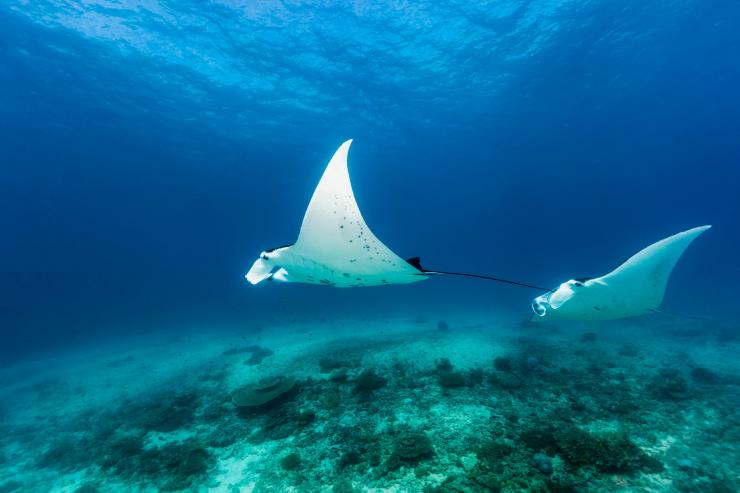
(538, 307)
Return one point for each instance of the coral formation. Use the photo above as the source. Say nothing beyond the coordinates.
(283, 423)
(542, 419)
(265, 393)
(291, 461)
(170, 414)
(607, 452)
(451, 379)
(502, 363)
(410, 448)
(339, 375)
(179, 463)
(443, 365)
(368, 381)
(476, 376)
(64, 455)
(448, 378)
(669, 384)
(542, 463)
(704, 376)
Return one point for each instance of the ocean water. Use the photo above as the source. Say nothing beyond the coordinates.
(152, 149)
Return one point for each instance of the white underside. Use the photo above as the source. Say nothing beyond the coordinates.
(296, 267)
(634, 288)
(335, 246)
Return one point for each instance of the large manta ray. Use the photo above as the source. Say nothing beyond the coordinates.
(634, 288)
(335, 246)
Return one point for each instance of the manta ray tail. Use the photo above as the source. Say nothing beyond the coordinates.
(416, 262)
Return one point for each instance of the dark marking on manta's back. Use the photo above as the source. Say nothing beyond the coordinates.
(415, 262)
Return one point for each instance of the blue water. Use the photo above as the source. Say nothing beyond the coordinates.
(150, 150)
(149, 153)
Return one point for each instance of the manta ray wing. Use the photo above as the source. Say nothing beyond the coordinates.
(335, 235)
(644, 276)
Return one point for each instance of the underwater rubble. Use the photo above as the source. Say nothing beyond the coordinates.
(545, 413)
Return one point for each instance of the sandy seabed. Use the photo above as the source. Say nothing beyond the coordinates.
(406, 405)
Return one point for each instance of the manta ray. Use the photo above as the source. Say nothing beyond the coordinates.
(634, 288)
(335, 246)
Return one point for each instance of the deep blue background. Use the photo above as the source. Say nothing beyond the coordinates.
(148, 154)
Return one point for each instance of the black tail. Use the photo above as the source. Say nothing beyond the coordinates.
(416, 263)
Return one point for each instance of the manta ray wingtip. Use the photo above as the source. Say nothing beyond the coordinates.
(697, 230)
(340, 155)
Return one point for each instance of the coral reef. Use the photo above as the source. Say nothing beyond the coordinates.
(283, 423)
(368, 381)
(264, 394)
(502, 363)
(365, 416)
(443, 365)
(448, 378)
(542, 463)
(451, 379)
(606, 452)
(410, 448)
(704, 376)
(291, 461)
(163, 414)
(669, 384)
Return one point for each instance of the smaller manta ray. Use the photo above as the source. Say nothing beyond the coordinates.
(634, 288)
(335, 247)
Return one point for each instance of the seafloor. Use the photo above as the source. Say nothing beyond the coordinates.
(382, 406)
